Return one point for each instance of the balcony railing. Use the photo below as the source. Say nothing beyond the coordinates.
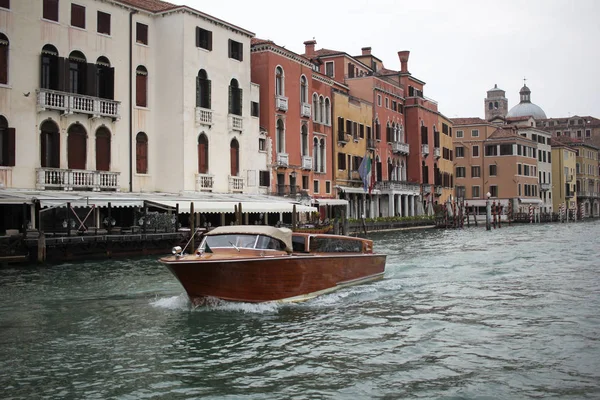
(399, 147)
(425, 149)
(236, 123)
(236, 184)
(305, 110)
(286, 190)
(588, 193)
(282, 159)
(204, 116)
(398, 186)
(342, 138)
(438, 190)
(307, 162)
(371, 144)
(281, 103)
(70, 103)
(544, 186)
(76, 179)
(436, 152)
(204, 182)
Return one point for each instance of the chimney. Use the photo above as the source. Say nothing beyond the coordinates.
(366, 51)
(403, 55)
(309, 47)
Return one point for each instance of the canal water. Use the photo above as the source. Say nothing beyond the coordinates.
(465, 314)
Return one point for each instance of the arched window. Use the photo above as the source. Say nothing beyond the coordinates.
(304, 140)
(105, 79)
(3, 59)
(303, 90)
(322, 109)
(141, 153)
(327, 112)
(402, 172)
(491, 106)
(7, 144)
(49, 67)
(316, 114)
(202, 90)
(235, 98)
(280, 136)
(279, 82)
(77, 73)
(390, 169)
(496, 105)
(322, 156)
(102, 149)
(202, 154)
(316, 154)
(50, 145)
(141, 87)
(76, 147)
(235, 157)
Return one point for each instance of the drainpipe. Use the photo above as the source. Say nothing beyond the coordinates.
(131, 100)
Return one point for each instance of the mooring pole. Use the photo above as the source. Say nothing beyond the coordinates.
(192, 228)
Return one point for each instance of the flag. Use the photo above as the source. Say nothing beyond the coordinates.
(364, 171)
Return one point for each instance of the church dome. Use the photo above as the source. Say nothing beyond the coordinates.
(526, 108)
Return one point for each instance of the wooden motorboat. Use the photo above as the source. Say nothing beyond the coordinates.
(254, 263)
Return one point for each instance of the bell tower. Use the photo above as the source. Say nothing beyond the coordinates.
(495, 104)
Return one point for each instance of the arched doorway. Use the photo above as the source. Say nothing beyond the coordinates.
(102, 149)
(77, 147)
(50, 145)
(234, 151)
(202, 154)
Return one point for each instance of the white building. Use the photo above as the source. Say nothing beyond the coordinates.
(129, 95)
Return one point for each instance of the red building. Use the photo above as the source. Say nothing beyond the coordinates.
(296, 118)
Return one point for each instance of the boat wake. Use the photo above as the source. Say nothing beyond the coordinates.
(180, 302)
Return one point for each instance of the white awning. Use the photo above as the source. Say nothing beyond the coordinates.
(481, 202)
(530, 201)
(90, 202)
(360, 190)
(229, 206)
(331, 202)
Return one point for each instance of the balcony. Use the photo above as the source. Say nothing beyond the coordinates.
(70, 103)
(204, 182)
(588, 194)
(436, 152)
(236, 184)
(371, 144)
(281, 103)
(236, 123)
(544, 186)
(307, 162)
(342, 138)
(305, 110)
(282, 159)
(287, 190)
(401, 148)
(425, 149)
(76, 179)
(204, 116)
(398, 186)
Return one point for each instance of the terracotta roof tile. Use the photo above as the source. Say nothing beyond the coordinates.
(501, 133)
(468, 121)
(385, 71)
(325, 52)
(149, 5)
(255, 41)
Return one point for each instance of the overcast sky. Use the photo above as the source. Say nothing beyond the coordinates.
(461, 48)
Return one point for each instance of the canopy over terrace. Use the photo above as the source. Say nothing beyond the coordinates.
(201, 206)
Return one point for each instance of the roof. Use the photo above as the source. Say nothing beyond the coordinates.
(256, 41)
(283, 234)
(468, 121)
(385, 71)
(526, 109)
(501, 133)
(325, 52)
(516, 119)
(149, 5)
(570, 141)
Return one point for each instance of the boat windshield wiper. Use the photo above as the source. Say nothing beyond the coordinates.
(237, 248)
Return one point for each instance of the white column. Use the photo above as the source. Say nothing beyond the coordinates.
(412, 206)
(405, 208)
(391, 200)
(398, 200)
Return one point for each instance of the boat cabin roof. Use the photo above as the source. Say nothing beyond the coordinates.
(283, 234)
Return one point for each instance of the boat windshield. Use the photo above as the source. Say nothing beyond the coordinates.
(246, 241)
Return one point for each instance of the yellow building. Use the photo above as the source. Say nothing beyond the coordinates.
(353, 139)
(563, 176)
(587, 177)
(443, 168)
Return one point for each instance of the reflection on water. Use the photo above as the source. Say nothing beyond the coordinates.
(511, 313)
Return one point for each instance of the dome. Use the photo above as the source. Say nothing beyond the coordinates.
(526, 108)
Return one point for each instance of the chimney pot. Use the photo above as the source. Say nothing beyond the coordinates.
(309, 47)
(403, 56)
(366, 51)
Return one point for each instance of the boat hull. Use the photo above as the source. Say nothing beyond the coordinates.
(286, 278)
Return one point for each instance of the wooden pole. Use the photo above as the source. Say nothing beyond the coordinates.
(240, 222)
(192, 228)
(176, 217)
(294, 218)
(109, 218)
(41, 238)
(68, 219)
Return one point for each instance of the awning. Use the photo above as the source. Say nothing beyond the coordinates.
(91, 202)
(229, 206)
(331, 202)
(482, 202)
(530, 201)
(348, 189)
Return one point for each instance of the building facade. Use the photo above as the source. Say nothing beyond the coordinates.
(586, 128)
(110, 111)
(564, 163)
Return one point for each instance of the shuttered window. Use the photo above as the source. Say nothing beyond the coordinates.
(202, 154)
(203, 88)
(5, 4)
(78, 16)
(102, 150)
(236, 50)
(76, 147)
(203, 38)
(49, 145)
(3, 59)
(235, 157)
(103, 23)
(7, 144)
(141, 87)
(50, 10)
(141, 33)
(141, 153)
